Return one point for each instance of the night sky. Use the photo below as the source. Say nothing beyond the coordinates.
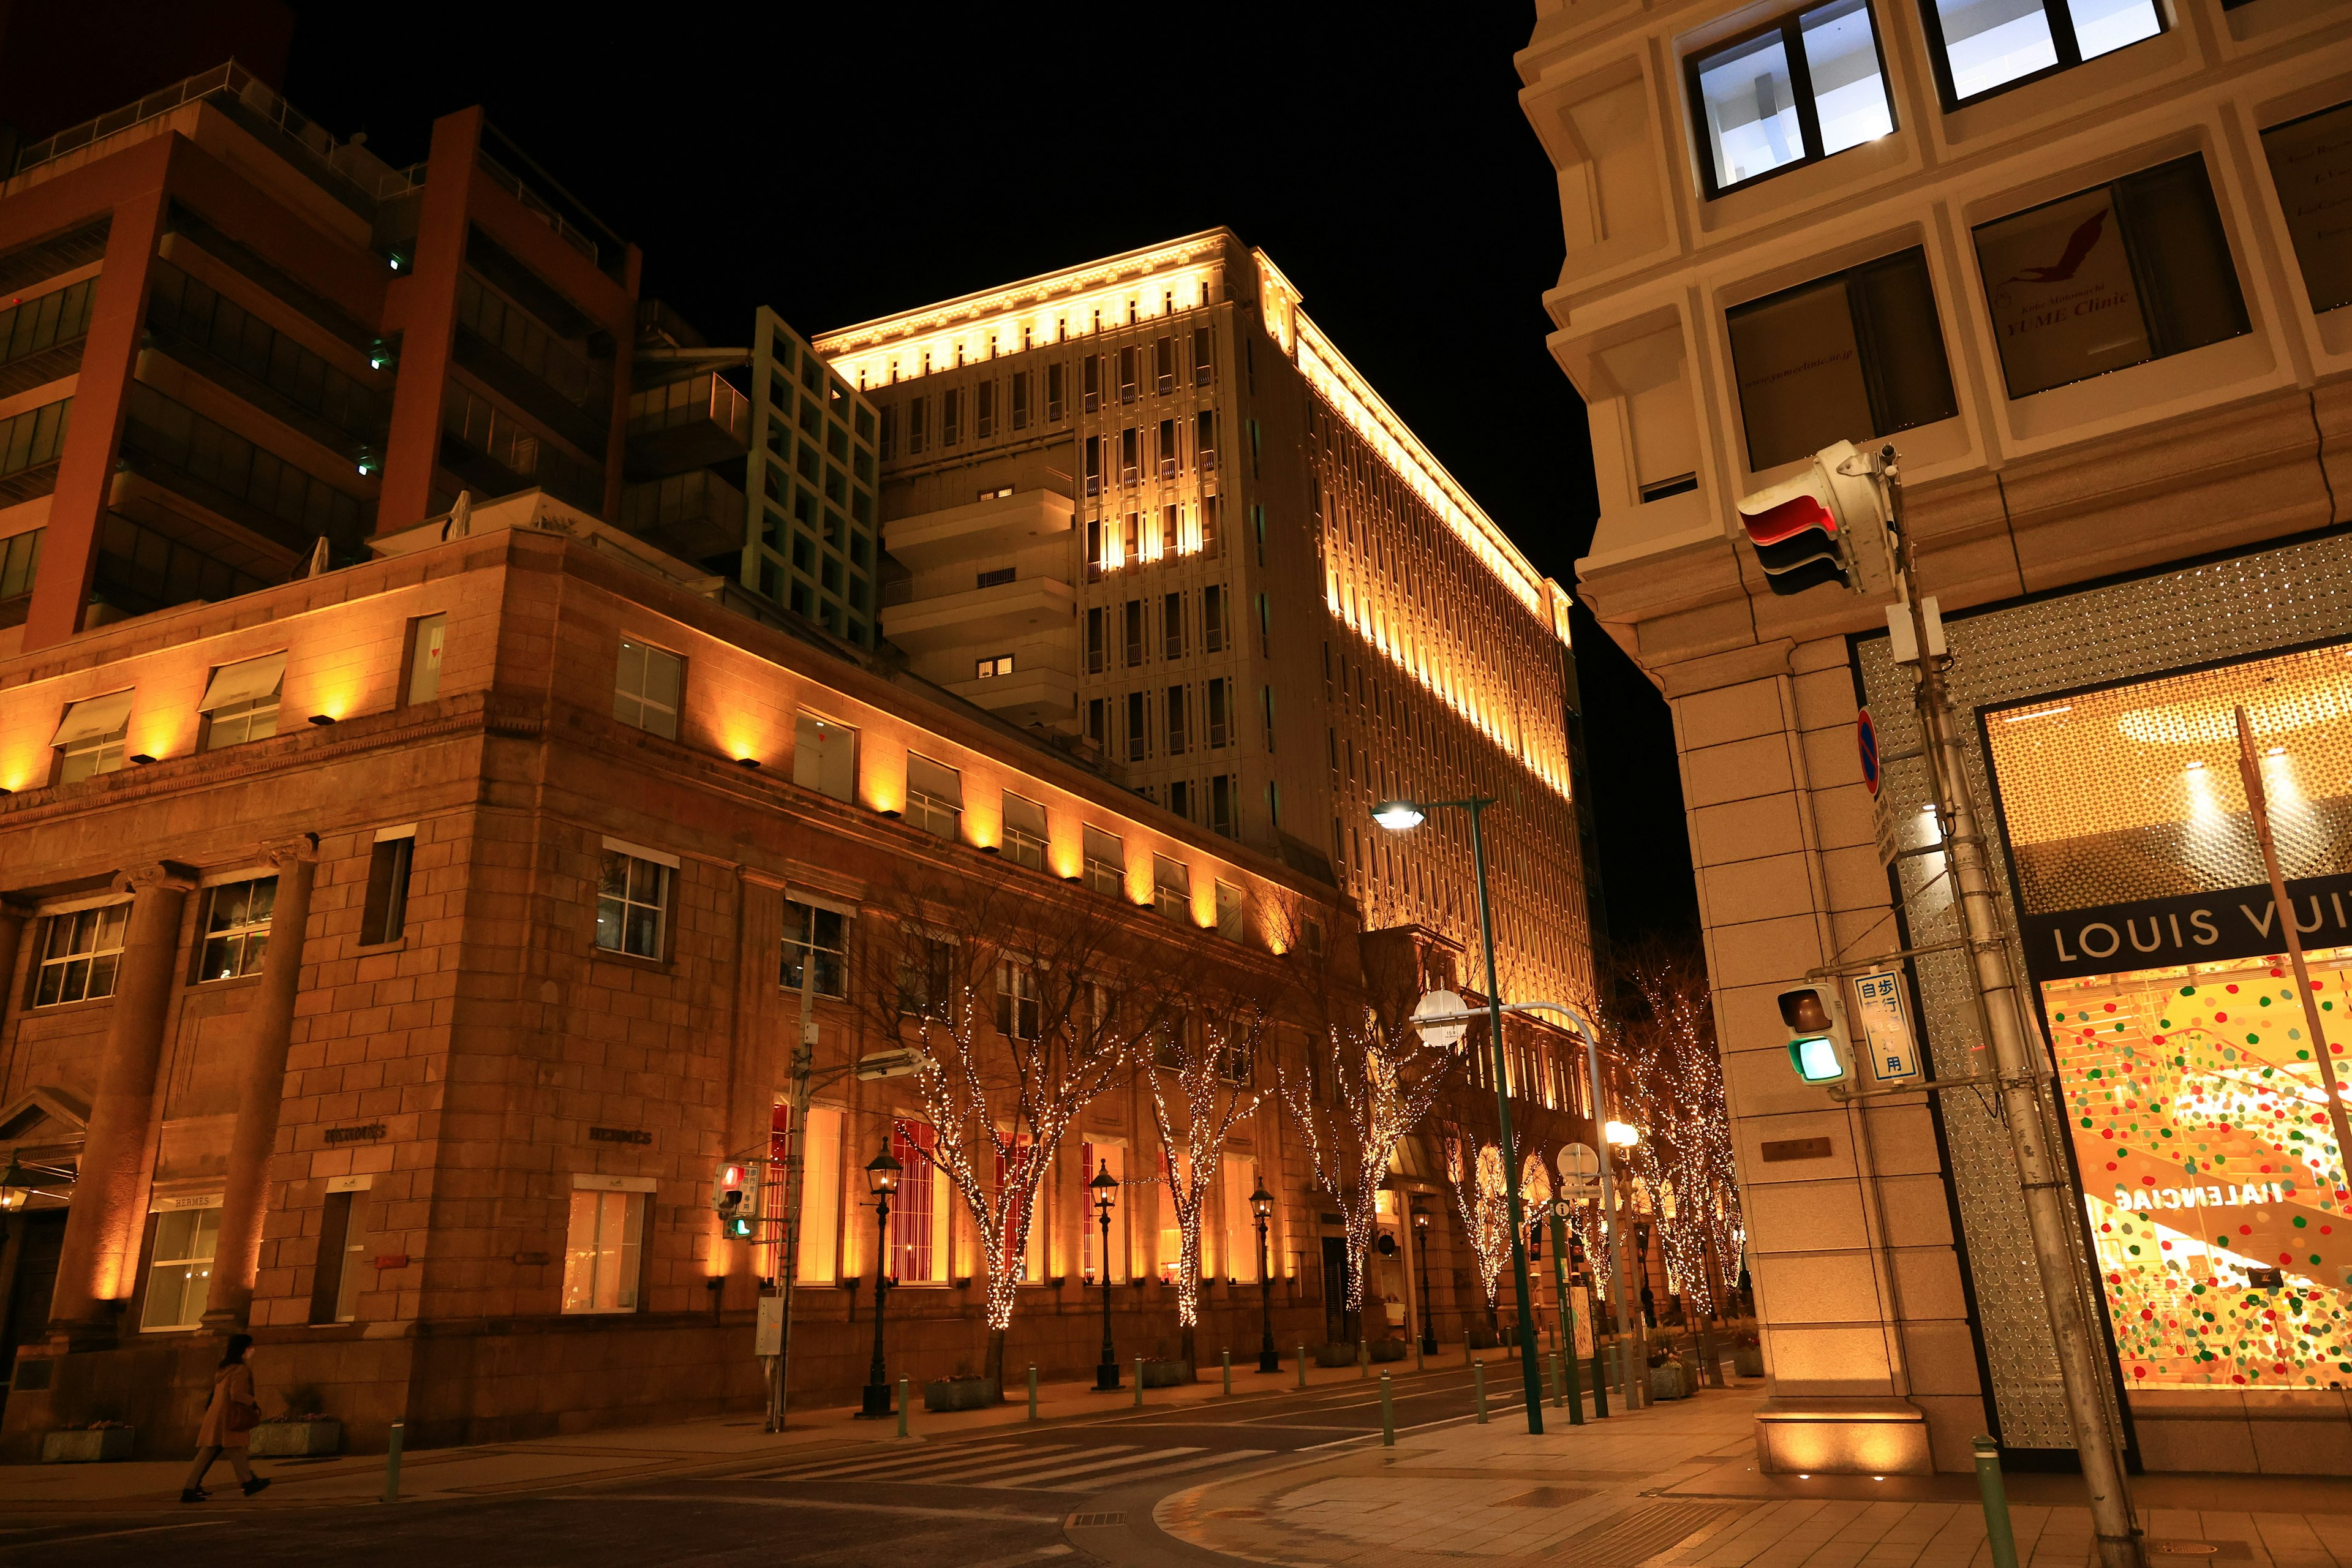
(863, 160)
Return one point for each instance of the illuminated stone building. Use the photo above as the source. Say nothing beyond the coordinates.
(1146, 508)
(2084, 263)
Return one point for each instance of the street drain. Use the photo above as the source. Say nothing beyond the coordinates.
(2228, 1551)
(1088, 1521)
(1638, 1534)
(1548, 1497)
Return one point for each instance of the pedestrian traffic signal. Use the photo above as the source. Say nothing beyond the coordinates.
(1816, 1034)
(1811, 529)
(735, 1197)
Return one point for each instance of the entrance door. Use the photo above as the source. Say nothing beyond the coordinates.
(1335, 1287)
(44, 1236)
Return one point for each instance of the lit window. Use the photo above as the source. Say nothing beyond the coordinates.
(90, 736)
(240, 704)
(426, 634)
(603, 1252)
(1806, 86)
(809, 928)
(1105, 862)
(825, 756)
(2303, 170)
(998, 664)
(1980, 47)
(1025, 832)
(343, 1245)
(384, 915)
(80, 955)
(1229, 911)
(1018, 1006)
(1171, 887)
(921, 1214)
(927, 977)
(632, 904)
(934, 798)
(180, 1268)
(237, 928)
(646, 688)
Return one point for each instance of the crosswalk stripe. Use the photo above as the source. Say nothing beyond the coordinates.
(1044, 1454)
(1029, 1479)
(859, 1466)
(1231, 1456)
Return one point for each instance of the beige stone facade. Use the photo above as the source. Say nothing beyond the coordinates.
(2109, 527)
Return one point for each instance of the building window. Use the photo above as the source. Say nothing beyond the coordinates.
(632, 904)
(1212, 512)
(426, 634)
(1092, 1265)
(1982, 47)
(180, 1268)
(1019, 1008)
(240, 703)
(1168, 454)
(1222, 792)
(1802, 88)
(927, 978)
(646, 686)
(80, 953)
(1171, 887)
(1095, 650)
(811, 929)
(2308, 162)
(342, 1273)
(1204, 439)
(1163, 365)
(950, 416)
(1212, 610)
(90, 735)
(1855, 354)
(1204, 357)
(1172, 626)
(1219, 711)
(1178, 718)
(934, 798)
(2116, 276)
(1130, 454)
(237, 928)
(920, 1219)
(914, 425)
(1021, 400)
(889, 432)
(383, 917)
(1139, 741)
(1056, 393)
(1127, 374)
(1025, 832)
(825, 756)
(993, 666)
(983, 410)
(603, 1252)
(1132, 615)
(1179, 797)
(1265, 695)
(1106, 857)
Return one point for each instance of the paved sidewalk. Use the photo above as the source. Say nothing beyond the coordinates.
(1676, 1486)
(620, 1455)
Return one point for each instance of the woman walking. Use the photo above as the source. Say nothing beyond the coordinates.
(230, 1420)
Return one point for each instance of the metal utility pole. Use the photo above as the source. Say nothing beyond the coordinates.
(2024, 1082)
(795, 1163)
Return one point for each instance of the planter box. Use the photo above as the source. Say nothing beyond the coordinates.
(1336, 1353)
(1747, 1361)
(1388, 1349)
(1482, 1337)
(295, 1439)
(958, 1394)
(1670, 1382)
(87, 1447)
(1165, 1374)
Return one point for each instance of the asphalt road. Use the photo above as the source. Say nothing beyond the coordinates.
(1005, 1497)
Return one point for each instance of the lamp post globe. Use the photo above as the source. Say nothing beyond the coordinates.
(1261, 1204)
(1421, 1259)
(1105, 1188)
(882, 1173)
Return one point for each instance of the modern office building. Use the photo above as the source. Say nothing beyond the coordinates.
(2084, 264)
(1146, 508)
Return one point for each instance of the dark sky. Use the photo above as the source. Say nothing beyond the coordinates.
(867, 159)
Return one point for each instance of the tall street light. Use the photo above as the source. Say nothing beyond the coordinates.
(1104, 1187)
(881, 1180)
(1262, 1206)
(1403, 816)
(1421, 1257)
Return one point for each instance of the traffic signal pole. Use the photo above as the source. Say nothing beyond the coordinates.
(788, 1267)
(2023, 1083)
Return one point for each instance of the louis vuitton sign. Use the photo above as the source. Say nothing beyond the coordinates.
(2200, 928)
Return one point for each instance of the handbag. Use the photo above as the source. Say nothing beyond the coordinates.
(241, 1416)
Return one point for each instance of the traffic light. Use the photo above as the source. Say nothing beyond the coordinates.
(1811, 529)
(735, 1197)
(1816, 1034)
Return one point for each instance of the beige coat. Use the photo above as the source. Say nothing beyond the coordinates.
(231, 1385)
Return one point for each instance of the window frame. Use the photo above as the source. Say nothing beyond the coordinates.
(1790, 25)
(643, 701)
(628, 1293)
(922, 806)
(186, 1261)
(1020, 1004)
(249, 937)
(421, 655)
(1021, 845)
(794, 950)
(71, 921)
(666, 885)
(2060, 16)
(391, 867)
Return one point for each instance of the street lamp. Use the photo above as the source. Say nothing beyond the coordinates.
(1261, 1204)
(881, 1180)
(1104, 1187)
(1403, 816)
(1421, 1257)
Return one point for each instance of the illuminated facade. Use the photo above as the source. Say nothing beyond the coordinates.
(1145, 507)
(2081, 264)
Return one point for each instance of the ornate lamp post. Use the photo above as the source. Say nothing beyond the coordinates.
(1421, 1257)
(881, 1180)
(1104, 1187)
(1262, 1205)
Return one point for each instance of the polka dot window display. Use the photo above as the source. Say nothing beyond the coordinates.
(2210, 1172)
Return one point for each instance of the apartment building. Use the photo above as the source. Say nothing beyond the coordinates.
(2084, 264)
(1146, 508)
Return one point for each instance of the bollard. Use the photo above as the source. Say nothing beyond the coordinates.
(1302, 1366)
(1388, 1416)
(1551, 1377)
(1419, 1361)
(392, 1466)
(1229, 1374)
(1574, 1397)
(902, 1407)
(1599, 1380)
(1478, 1384)
(1998, 1536)
(1139, 1383)
(1032, 1391)
(1363, 1357)
(1709, 1357)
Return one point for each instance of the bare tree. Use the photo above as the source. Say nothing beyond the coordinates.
(1024, 1004)
(1206, 1065)
(1475, 1172)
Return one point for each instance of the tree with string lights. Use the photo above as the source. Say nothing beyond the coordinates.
(1206, 1066)
(1473, 1172)
(1023, 1004)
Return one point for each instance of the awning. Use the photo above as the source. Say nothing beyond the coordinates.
(243, 682)
(937, 780)
(93, 717)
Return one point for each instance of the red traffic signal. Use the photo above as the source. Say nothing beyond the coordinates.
(1806, 531)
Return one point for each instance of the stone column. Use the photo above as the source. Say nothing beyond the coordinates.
(14, 917)
(101, 1237)
(261, 1088)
